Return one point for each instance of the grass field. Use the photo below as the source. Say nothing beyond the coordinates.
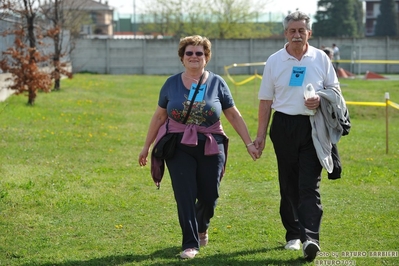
(72, 192)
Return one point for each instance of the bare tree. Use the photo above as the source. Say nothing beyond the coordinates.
(5, 7)
(66, 18)
(57, 14)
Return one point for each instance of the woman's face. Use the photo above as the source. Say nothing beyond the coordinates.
(194, 57)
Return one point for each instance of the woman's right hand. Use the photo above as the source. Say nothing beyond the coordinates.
(143, 156)
(157, 120)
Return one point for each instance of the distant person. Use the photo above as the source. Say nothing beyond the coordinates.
(336, 55)
(330, 53)
(198, 163)
(286, 75)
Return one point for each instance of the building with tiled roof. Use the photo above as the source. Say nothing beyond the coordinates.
(100, 13)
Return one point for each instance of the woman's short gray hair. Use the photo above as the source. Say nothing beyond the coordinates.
(297, 16)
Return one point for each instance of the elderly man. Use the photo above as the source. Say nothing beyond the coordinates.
(286, 75)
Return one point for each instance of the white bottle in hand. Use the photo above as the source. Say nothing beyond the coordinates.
(309, 92)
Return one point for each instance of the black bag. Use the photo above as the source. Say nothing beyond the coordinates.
(165, 147)
(346, 124)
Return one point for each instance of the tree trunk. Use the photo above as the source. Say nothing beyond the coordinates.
(56, 63)
(56, 72)
(30, 18)
(31, 97)
(31, 30)
(57, 80)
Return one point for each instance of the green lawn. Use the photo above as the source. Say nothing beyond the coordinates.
(72, 192)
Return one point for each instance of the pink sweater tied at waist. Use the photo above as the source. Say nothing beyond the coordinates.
(190, 138)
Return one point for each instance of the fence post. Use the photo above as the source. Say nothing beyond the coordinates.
(386, 122)
(107, 57)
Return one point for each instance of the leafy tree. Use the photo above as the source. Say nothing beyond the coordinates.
(23, 59)
(230, 17)
(220, 19)
(23, 62)
(358, 15)
(338, 18)
(167, 19)
(387, 20)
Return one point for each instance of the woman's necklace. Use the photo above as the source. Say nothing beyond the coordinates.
(196, 80)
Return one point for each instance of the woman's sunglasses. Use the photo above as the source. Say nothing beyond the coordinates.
(189, 53)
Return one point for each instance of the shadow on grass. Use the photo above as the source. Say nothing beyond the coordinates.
(169, 257)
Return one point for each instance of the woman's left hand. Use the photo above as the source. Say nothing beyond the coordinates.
(254, 152)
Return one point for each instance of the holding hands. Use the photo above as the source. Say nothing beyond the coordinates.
(255, 148)
(260, 144)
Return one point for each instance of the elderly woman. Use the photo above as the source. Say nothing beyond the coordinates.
(198, 162)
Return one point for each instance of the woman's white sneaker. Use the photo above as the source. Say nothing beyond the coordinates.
(189, 253)
(294, 244)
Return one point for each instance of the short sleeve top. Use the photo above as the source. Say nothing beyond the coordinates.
(279, 81)
(213, 98)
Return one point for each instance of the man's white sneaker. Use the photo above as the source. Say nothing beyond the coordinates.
(294, 244)
(310, 250)
(189, 253)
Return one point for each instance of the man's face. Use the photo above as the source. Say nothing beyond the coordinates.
(297, 34)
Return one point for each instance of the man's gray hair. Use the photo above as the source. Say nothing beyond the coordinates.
(297, 16)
